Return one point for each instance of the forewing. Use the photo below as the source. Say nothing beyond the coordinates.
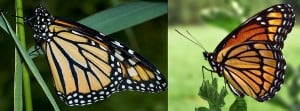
(83, 68)
(270, 25)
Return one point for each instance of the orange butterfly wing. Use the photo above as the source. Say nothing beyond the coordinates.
(255, 69)
(272, 25)
(250, 57)
(88, 66)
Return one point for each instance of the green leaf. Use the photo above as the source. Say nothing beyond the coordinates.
(209, 92)
(238, 105)
(18, 86)
(278, 101)
(220, 100)
(223, 21)
(2, 23)
(124, 16)
(289, 72)
(202, 109)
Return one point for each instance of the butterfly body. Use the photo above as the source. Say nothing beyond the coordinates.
(88, 66)
(250, 58)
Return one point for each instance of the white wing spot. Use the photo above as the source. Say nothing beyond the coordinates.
(89, 96)
(158, 78)
(142, 85)
(270, 9)
(75, 95)
(69, 97)
(102, 34)
(123, 86)
(75, 100)
(44, 26)
(117, 43)
(75, 32)
(279, 29)
(119, 70)
(118, 55)
(157, 71)
(103, 48)
(93, 43)
(112, 58)
(278, 6)
(95, 98)
(119, 78)
(70, 102)
(258, 18)
(130, 51)
(50, 34)
(101, 93)
(151, 85)
(129, 81)
(234, 36)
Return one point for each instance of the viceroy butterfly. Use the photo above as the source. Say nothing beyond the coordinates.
(250, 58)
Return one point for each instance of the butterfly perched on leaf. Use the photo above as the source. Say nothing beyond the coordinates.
(250, 58)
(88, 66)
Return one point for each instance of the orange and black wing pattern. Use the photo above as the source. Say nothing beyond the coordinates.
(250, 57)
(270, 25)
(139, 75)
(88, 66)
(255, 69)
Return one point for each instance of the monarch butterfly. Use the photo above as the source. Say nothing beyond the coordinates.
(250, 58)
(88, 66)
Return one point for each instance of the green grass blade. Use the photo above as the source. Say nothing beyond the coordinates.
(18, 90)
(20, 31)
(32, 66)
(2, 23)
(124, 16)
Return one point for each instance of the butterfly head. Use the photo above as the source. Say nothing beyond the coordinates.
(205, 54)
(40, 23)
(217, 67)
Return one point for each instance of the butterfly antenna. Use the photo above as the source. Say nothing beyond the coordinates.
(191, 38)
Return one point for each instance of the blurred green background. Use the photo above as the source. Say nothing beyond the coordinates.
(210, 21)
(146, 37)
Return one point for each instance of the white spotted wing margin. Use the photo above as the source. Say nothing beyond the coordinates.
(139, 74)
(265, 19)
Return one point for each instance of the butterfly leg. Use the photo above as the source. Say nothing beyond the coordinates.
(211, 71)
(35, 52)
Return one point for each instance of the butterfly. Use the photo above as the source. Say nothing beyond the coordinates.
(88, 66)
(250, 58)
